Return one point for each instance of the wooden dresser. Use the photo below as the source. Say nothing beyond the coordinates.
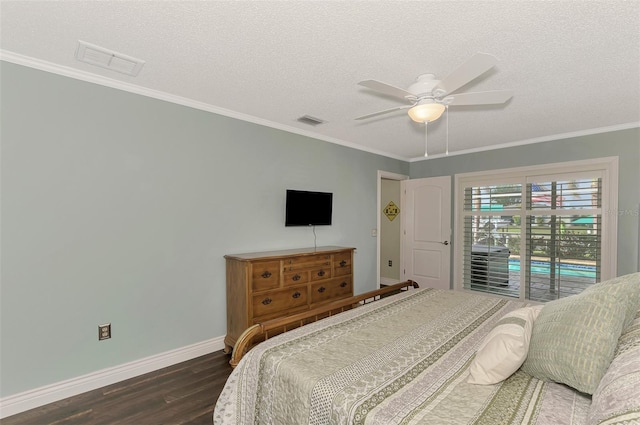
(267, 285)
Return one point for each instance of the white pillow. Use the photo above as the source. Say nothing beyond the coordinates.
(505, 348)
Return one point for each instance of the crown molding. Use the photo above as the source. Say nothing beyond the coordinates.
(66, 71)
(588, 132)
(77, 74)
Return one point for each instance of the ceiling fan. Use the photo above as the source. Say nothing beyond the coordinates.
(428, 97)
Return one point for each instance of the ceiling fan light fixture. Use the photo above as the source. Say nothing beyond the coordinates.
(426, 112)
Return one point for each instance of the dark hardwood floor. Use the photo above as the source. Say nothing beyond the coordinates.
(181, 394)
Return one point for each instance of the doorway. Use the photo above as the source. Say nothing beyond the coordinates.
(389, 247)
(423, 230)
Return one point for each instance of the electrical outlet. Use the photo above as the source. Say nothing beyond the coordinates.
(104, 331)
(390, 263)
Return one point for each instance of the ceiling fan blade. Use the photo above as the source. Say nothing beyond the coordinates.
(477, 65)
(480, 98)
(397, 108)
(387, 89)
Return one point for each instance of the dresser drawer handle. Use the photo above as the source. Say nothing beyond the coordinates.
(343, 284)
(296, 277)
(267, 301)
(266, 274)
(322, 289)
(343, 263)
(296, 294)
(321, 273)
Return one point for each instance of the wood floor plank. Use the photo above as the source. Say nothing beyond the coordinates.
(183, 394)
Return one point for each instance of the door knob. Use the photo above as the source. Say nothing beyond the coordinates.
(445, 243)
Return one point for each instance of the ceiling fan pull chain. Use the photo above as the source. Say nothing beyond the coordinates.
(446, 152)
(426, 145)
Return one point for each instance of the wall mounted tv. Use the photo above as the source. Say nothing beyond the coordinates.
(304, 208)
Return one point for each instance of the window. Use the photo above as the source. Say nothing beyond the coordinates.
(537, 233)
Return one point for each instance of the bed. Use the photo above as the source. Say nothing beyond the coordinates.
(429, 356)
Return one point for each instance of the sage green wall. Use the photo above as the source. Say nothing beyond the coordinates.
(119, 208)
(624, 144)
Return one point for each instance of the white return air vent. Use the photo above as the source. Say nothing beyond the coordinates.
(105, 58)
(308, 119)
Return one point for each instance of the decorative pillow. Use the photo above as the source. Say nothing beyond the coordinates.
(630, 337)
(574, 339)
(617, 398)
(629, 285)
(504, 349)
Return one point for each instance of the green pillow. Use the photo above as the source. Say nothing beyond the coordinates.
(574, 338)
(629, 286)
(617, 398)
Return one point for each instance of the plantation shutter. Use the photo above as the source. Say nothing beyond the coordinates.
(539, 239)
(490, 214)
(563, 237)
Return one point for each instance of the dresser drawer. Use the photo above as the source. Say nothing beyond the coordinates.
(331, 290)
(265, 275)
(296, 277)
(307, 262)
(342, 271)
(321, 273)
(342, 259)
(342, 264)
(279, 301)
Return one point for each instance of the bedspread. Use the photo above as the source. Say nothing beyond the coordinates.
(401, 360)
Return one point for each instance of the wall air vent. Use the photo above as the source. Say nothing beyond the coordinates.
(105, 58)
(308, 119)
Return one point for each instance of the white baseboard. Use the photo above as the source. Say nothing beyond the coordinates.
(37, 397)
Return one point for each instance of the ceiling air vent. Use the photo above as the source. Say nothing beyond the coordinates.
(105, 58)
(308, 119)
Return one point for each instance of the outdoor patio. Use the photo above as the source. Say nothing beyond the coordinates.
(540, 289)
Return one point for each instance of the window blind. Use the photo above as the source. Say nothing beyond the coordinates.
(563, 237)
(491, 227)
(541, 237)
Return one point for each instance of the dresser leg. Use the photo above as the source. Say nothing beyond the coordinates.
(228, 348)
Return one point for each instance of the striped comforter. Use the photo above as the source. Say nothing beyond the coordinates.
(401, 360)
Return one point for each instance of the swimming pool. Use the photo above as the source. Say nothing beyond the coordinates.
(563, 269)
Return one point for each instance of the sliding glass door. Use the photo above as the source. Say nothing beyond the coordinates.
(534, 235)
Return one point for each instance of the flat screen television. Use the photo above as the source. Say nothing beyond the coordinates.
(304, 208)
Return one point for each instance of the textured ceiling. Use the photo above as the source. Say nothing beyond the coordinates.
(574, 66)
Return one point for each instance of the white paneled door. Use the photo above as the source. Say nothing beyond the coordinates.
(426, 237)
